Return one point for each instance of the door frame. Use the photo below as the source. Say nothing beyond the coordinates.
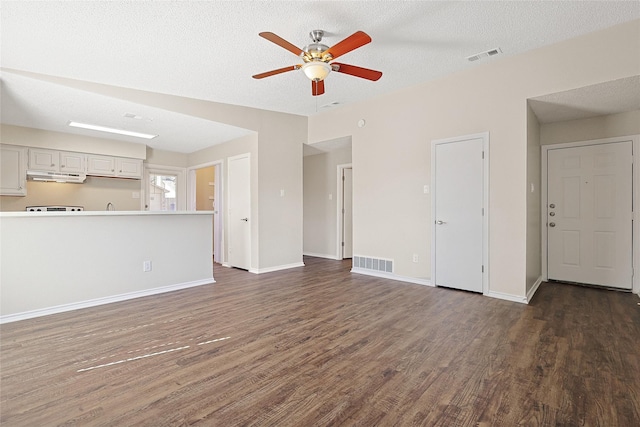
(485, 201)
(635, 147)
(181, 188)
(340, 206)
(218, 213)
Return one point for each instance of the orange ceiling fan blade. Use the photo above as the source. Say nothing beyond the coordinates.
(352, 70)
(317, 88)
(354, 41)
(274, 72)
(274, 38)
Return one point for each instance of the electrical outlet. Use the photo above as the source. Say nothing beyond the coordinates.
(415, 257)
(146, 266)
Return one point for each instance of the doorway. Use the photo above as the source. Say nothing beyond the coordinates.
(588, 213)
(459, 203)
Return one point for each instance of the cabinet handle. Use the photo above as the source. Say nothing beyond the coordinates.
(112, 170)
(61, 166)
(53, 164)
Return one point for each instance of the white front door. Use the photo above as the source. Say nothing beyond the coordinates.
(589, 214)
(347, 214)
(458, 209)
(240, 212)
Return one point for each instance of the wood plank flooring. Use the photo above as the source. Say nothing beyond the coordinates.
(319, 346)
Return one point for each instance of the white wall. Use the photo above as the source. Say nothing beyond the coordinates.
(320, 212)
(600, 127)
(391, 156)
(52, 260)
(30, 137)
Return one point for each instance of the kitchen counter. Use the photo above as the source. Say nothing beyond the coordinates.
(59, 261)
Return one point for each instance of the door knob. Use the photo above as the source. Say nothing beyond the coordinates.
(244, 219)
(552, 224)
(440, 222)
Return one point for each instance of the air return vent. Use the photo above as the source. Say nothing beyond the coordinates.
(374, 264)
(485, 54)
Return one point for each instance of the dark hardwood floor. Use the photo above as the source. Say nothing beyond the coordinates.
(319, 346)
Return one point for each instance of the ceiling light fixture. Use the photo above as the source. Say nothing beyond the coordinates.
(316, 70)
(110, 130)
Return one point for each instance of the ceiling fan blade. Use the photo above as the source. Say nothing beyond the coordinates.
(354, 41)
(352, 70)
(317, 88)
(274, 72)
(281, 42)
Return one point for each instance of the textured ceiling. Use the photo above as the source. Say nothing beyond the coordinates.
(209, 50)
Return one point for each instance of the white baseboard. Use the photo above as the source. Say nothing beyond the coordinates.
(327, 256)
(276, 268)
(507, 297)
(100, 301)
(533, 289)
(391, 276)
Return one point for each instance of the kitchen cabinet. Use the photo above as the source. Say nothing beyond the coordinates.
(120, 167)
(72, 162)
(13, 170)
(44, 160)
(41, 159)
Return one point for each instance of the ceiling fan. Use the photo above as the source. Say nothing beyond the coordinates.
(317, 58)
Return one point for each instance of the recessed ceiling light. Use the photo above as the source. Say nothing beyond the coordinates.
(110, 130)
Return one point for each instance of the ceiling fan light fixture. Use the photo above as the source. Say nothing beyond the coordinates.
(316, 70)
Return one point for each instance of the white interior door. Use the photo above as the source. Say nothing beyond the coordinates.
(239, 212)
(347, 213)
(589, 214)
(458, 209)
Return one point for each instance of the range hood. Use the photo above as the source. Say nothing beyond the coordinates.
(75, 178)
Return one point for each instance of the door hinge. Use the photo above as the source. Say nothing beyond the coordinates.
(343, 178)
(483, 154)
(482, 211)
(483, 268)
(342, 210)
(343, 244)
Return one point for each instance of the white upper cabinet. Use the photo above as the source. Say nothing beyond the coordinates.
(44, 160)
(120, 167)
(72, 162)
(41, 159)
(13, 170)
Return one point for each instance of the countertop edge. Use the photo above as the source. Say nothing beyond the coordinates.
(99, 213)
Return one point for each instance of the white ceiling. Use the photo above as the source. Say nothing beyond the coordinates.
(209, 50)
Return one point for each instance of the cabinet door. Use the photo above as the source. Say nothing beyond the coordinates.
(101, 165)
(72, 162)
(43, 160)
(129, 168)
(13, 171)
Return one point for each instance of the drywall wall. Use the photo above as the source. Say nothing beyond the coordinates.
(52, 261)
(600, 127)
(534, 230)
(39, 138)
(321, 201)
(166, 158)
(391, 155)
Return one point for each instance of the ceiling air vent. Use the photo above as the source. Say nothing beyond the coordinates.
(485, 54)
